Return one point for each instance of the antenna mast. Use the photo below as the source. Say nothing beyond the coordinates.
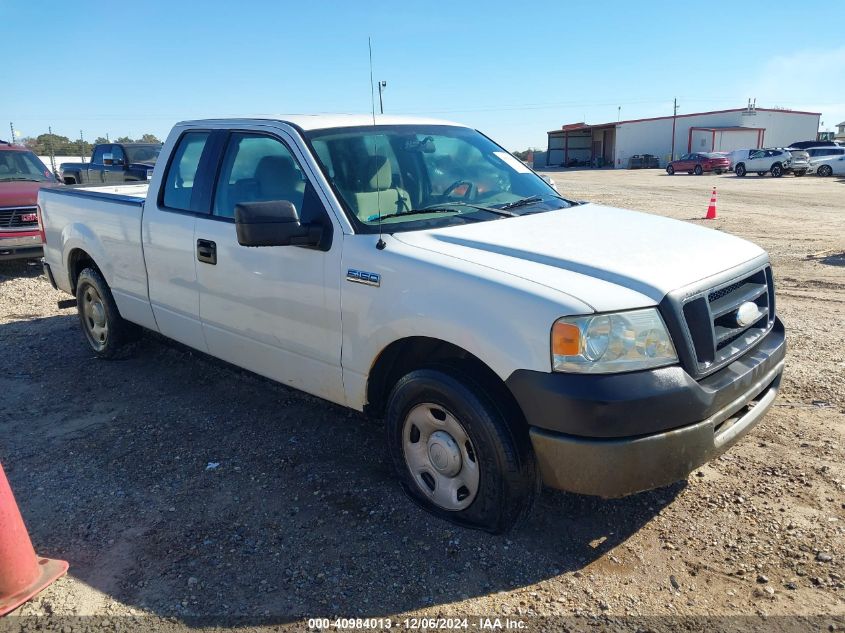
(381, 243)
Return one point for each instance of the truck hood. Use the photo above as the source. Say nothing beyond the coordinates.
(608, 258)
(21, 193)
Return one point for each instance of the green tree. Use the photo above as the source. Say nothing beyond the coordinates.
(101, 140)
(123, 139)
(149, 138)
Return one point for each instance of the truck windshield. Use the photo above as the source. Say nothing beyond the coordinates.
(17, 165)
(142, 153)
(411, 177)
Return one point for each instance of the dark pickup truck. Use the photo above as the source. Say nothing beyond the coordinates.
(113, 162)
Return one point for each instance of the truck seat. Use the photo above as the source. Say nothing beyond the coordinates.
(377, 194)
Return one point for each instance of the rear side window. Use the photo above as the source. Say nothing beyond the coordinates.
(182, 171)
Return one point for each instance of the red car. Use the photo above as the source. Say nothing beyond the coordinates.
(698, 163)
(21, 176)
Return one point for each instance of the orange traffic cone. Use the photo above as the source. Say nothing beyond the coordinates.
(711, 210)
(22, 573)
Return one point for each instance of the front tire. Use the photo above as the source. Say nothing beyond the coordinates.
(105, 330)
(740, 171)
(824, 171)
(698, 170)
(670, 170)
(455, 453)
(777, 170)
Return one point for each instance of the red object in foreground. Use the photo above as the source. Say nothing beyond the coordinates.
(22, 573)
(711, 210)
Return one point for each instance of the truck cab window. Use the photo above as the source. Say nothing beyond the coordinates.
(179, 184)
(257, 168)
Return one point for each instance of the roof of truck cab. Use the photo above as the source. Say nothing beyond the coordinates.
(327, 121)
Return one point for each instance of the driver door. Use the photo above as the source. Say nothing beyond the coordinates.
(274, 310)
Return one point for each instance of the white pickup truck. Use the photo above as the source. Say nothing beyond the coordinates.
(414, 270)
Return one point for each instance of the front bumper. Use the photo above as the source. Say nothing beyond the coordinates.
(615, 435)
(14, 246)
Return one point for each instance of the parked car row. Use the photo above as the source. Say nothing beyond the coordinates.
(22, 174)
(823, 160)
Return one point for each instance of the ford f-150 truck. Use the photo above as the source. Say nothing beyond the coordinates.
(415, 270)
(113, 163)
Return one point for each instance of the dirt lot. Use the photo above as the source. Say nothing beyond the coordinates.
(178, 486)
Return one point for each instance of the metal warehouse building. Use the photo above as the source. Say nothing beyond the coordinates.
(721, 130)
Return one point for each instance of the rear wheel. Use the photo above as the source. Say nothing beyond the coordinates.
(777, 170)
(105, 330)
(670, 170)
(825, 171)
(698, 170)
(455, 453)
(739, 170)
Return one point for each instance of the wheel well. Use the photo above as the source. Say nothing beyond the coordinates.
(77, 261)
(405, 355)
(69, 180)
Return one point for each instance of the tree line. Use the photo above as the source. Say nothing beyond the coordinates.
(59, 145)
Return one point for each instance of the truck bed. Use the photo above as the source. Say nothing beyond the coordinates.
(104, 222)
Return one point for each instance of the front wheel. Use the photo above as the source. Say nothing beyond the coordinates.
(455, 453)
(825, 170)
(670, 170)
(739, 170)
(698, 170)
(105, 330)
(777, 170)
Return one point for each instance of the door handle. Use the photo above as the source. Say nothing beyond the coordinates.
(207, 251)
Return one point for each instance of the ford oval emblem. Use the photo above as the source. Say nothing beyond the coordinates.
(747, 313)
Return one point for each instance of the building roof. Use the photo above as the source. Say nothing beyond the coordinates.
(573, 126)
(324, 121)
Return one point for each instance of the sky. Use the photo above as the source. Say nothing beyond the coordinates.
(513, 70)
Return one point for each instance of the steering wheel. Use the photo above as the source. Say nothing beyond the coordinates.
(457, 184)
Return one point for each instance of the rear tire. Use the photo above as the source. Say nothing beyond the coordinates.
(670, 170)
(455, 453)
(777, 170)
(740, 171)
(107, 333)
(824, 171)
(698, 170)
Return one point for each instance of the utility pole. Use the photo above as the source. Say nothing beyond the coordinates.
(381, 87)
(618, 113)
(81, 147)
(12, 127)
(50, 145)
(674, 117)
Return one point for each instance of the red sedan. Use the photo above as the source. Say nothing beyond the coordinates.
(698, 163)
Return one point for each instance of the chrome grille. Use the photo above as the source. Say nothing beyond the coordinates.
(13, 217)
(711, 319)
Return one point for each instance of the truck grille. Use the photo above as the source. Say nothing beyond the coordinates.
(18, 217)
(717, 333)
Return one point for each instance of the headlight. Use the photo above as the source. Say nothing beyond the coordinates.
(607, 343)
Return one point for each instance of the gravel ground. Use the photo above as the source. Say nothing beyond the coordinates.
(180, 488)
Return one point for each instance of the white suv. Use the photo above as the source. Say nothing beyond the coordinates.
(776, 161)
(821, 159)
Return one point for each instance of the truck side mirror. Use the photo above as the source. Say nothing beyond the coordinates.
(273, 223)
(108, 159)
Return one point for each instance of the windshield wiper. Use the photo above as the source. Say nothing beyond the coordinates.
(522, 202)
(373, 218)
(444, 206)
